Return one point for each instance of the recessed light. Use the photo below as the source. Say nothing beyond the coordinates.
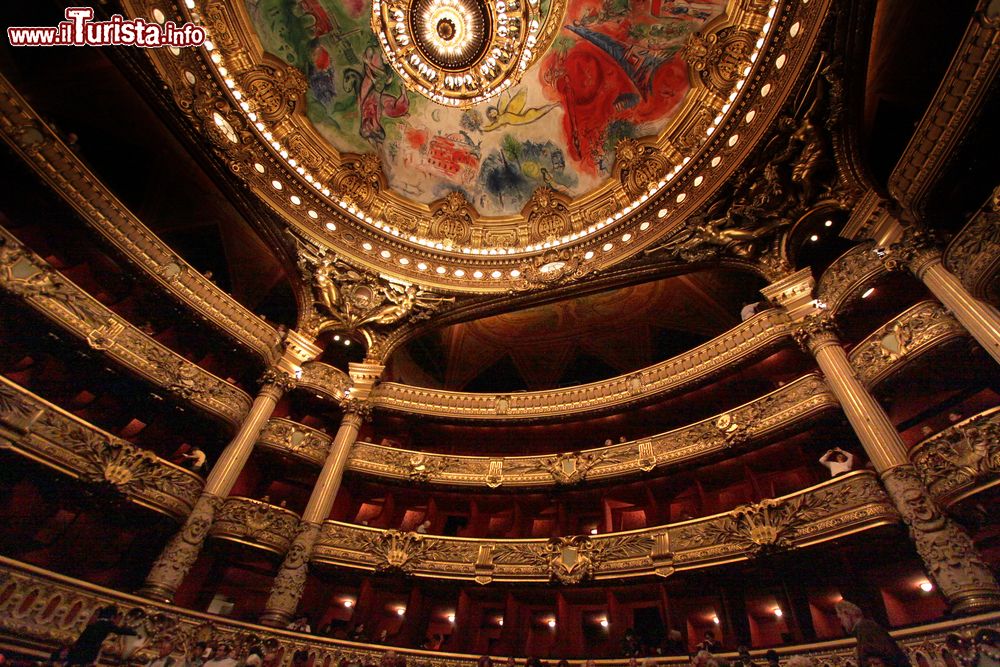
(814, 238)
(778, 612)
(828, 223)
(868, 292)
(926, 586)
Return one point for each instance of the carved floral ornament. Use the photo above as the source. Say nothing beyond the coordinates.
(961, 458)
(308, 157)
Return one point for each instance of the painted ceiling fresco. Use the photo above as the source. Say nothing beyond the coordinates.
(613, 71)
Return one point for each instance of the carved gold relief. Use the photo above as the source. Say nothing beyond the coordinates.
(256, 523)
(961, 458)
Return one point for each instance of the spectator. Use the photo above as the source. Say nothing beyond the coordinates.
(744, 660)
(837, 461)
(630, 644)
(674, 644)
(710, 643)
(255, 657)
(300, 658)
(300, 624)
(221, 657)
(424, 527)
(358, 634)
(772, 658)
(749, 310)
(195, 459)
(484, 661)
(88, 645)
(876, 647)
(163, 658)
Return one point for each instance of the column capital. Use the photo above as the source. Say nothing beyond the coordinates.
(917, 251)
(816, 331)
(277, 381)
(357, 408)
(794, 293)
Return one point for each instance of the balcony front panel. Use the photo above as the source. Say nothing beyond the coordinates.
(753, 337)
(781, 410)
(255, 523)
(838, 507)
(961, 460)
(30, 278)
(36, 429)
(295, 440)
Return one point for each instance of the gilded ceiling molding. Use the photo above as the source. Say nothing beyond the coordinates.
(295, 440)
(110, 466)
(827, 511)
(255, 523)
(959, 98)
(904, 339)
(44, 608)
(39, 146)
(845, 280)
(749, 339)
(974, 254)
(29, 277)
(962, 460)
(782, 410)
(297, 179)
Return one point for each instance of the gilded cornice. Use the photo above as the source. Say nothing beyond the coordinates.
(325, 380)
(255, 523)
(295, 440)
(962, 92)
(748, 339)
(783, 409)
(43, 432)
(41, 607)
(961, 460)
(974, 254)
(902, 340)
(705, 145)
(29, 277)
(39, 146)
(847, 277)
(827, 511)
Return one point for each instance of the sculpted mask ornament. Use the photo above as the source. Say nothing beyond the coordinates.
(548, 215)
(639, 166)
(570, 559)
(397, 551)
(453, 218)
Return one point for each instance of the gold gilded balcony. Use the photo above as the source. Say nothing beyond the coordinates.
(974, 254)
(36, 429)
(961, 460)
(295, 440)
(27, 276)
(833, 509)
(28, 135)
(749, 339)
(781, 410)
(255, 523)
(41, 608)
(849, 275)
(903, 339)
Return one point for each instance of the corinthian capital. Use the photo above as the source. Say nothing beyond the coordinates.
(917, 250)
(277, 379)
(816, 331)
(356, 406)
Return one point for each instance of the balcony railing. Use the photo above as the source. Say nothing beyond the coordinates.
(39, 146)
(295, 440)
(255, 523)
(38, 430)
(840, 506)
(30, 278)
(961, 460)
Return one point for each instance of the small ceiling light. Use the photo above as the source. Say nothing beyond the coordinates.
(337, 337)
(500, 621)
(400, 611)
(828, 223)
(593, 531)
(814, 238)
(604, 623)
(778, 612)
(451, 618)
(348, 603)
(926, 586)
(715, 619)
(551, 623)
(868, 292)
(347, 341)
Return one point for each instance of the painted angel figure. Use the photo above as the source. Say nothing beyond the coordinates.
(400, 303)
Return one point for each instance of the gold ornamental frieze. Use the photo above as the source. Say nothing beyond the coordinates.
(901, 341)
(748, 340)
(255, 523)
(295, 168)
(40, 607)
(845, 504)
(974, 254)
(295, 440)
(109, 465)
(40, 147)
(961, 460)
(29, 277)
(786, 408)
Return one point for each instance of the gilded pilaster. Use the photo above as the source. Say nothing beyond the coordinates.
(947, 552)
(921, 256)
(289, 583)
(182, 551)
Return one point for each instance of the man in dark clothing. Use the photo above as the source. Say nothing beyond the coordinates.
(88, 644)
(876, 647)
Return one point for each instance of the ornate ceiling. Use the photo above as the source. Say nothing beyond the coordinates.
(629, 119)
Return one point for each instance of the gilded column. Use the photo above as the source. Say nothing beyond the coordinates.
(289, 584)
(922, 257)
(182, 551)
(947, 552)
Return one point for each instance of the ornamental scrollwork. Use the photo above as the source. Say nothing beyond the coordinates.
(452, 219)
(255, 522)
(276, 89)
(719, 57)
(552, 267)
(295, 439)
(360, 179)
(960, 456)
(974, 254)
(397, 551)
(548, 215)
(639, 166)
